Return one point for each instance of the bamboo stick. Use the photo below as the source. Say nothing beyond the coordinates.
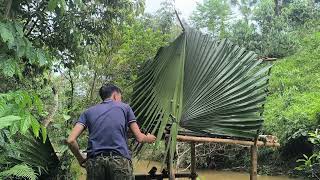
(225, 141)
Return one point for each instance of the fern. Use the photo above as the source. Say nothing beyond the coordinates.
(20, 171)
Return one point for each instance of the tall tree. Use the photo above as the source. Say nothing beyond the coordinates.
(212, 16)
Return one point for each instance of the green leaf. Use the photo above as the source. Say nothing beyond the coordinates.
(6, 34)
(44, 133)
(14, 128)
(63, 6)
(2, 108)
(41, 58)
(38, 103)
(79, 3)
(37, 154)
(52, 5)
(22, 171)
(8, 67)
(19, 29)
(25, 124)
(35, 126)
(8, 121)
(66, 117)
(202, 84)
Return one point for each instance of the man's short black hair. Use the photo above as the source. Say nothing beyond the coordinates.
(107, 90)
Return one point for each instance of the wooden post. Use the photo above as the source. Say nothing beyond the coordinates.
(169, 163)
(254, 163)
(171, 171)
(193, 161)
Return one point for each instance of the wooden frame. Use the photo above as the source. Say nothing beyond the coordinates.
(253, 152)
(172, 175)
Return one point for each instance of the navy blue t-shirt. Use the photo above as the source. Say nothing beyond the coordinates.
(108, 124)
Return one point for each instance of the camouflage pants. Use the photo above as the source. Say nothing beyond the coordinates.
(109, 168)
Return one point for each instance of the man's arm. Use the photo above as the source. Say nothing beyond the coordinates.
(73, 145)
(140, 137)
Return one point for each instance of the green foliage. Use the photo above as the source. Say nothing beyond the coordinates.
(8, 121)
(259, 27)
(19, 111)
(213, 15)
(17, 50)
(37, 154)
(294, 100)
(19, 171)
(310, 165)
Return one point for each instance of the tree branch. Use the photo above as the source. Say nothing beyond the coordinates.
(54, 109)
(8, 9)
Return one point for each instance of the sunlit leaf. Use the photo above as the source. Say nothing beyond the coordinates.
(25, 124)
(35, 126)
(66, 117)
(44, 133)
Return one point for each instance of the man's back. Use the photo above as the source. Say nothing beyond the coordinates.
(108, 153)
(108, 124)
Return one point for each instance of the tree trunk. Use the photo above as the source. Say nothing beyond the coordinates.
(93, 86)
(278, 6)
(54, 109)
(70, 104)
(8, 9)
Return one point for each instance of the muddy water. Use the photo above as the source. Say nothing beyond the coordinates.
(141, 167)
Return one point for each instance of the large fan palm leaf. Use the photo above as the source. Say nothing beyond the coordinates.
(203, 85)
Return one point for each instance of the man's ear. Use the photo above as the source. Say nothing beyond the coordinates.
(113, 96)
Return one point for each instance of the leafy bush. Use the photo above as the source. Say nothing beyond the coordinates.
(20, 171)
(310, 165)
(294, 101)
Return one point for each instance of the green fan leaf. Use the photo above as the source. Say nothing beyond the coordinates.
(37, 154)
(204, 85)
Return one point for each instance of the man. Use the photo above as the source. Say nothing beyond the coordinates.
(108, 155)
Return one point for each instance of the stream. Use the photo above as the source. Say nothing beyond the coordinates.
(208, 174)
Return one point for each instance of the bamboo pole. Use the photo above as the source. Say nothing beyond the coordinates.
(254, 163)
(193, 161)
(226, 141)
(172, 174)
